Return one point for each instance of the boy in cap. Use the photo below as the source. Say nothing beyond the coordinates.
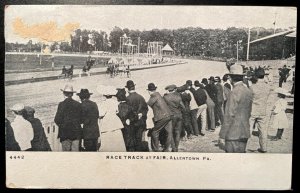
(90, 115)
(175, 104)
(68, 120)
(23, 130)
(39, 142)
(140, 108)
(162, 118)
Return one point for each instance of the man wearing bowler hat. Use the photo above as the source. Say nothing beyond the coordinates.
(235, 131)
(175, 104)
(90, 115)
(68, 120)
(162, 118)
(139, 108)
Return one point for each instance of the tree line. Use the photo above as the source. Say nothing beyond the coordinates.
(189, 41)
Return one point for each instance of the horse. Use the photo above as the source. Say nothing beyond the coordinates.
(69, 72)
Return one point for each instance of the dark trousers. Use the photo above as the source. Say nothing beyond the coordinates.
(281, 80)
(90, 144)
(211, 116)
(187, 123)
(166, 124)
(177, 128)
(224, 106)
(138, 138)
(195, 121)
(236, 146)
(129, 137)
(219, 113)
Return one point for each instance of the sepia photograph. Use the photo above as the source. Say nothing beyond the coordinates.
(158, 82)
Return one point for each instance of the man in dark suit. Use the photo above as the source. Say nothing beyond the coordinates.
(10, 142)
(226, 89)
(220, 100)
(283, 73)
(213, 92)
(235, 131)
(68, 119)
(90, 116)
(187, 119)
(200, 98)
(162, 119)
(140, 108)
(175, 104)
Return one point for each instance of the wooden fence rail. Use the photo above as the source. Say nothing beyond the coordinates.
(51, 131)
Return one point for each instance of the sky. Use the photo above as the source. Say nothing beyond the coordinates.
(147, 17)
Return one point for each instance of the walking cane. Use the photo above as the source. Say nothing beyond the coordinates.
(269, 124)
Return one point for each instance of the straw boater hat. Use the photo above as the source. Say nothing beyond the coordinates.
(236, 69)
(68, 88)
(17, 107)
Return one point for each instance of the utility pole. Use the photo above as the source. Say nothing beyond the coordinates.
(248, 45)
(139, 40)
(41, 53)
(237, 51)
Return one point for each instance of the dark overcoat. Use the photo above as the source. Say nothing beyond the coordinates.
(68, 119)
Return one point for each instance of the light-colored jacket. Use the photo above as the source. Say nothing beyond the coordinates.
(261, 93)
(111, 135)
(237, 113)
(280, 119)
(23, 132)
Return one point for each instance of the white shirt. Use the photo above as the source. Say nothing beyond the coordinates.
(23, 132)
(193, 104)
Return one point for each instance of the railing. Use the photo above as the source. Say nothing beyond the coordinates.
(51, 131)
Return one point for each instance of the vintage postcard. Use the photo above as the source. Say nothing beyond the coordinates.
(149, 97)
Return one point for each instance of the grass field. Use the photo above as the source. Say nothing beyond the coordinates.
(26, 62)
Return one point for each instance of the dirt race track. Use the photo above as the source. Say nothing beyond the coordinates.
(45, 96)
